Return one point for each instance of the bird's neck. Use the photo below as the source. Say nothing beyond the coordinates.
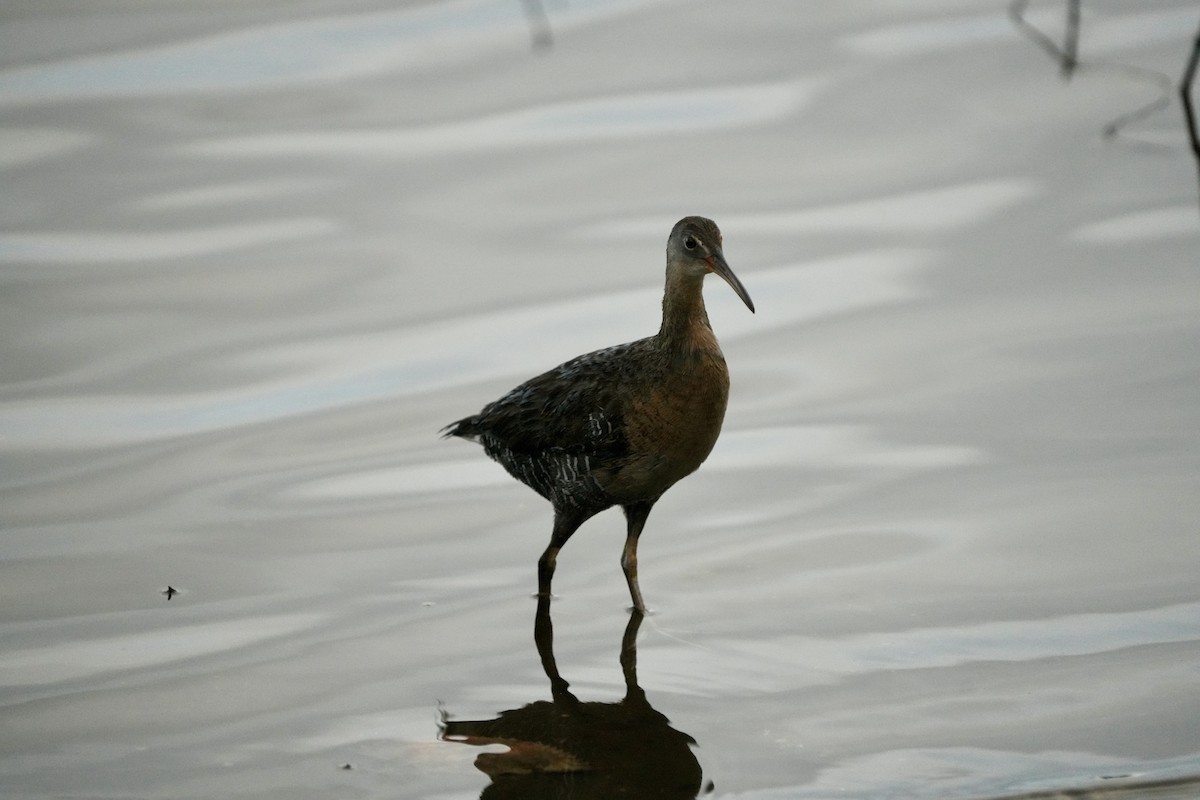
(685, 325)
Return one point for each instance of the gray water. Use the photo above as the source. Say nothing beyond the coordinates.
(252, 260)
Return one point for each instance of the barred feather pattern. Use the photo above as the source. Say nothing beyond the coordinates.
(550, 431)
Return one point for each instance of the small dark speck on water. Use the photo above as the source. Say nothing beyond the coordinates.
(347, 766)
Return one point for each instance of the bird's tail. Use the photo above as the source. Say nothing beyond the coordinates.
(465, 428)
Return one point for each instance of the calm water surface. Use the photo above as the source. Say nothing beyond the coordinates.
(252, 261)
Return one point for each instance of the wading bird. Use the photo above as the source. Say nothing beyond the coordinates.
(620, 426)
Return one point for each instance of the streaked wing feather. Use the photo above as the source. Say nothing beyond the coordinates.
(575, 408)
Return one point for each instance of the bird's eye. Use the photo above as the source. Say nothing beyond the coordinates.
(689, 243)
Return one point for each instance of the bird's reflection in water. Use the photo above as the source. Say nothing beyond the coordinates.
(565, 747)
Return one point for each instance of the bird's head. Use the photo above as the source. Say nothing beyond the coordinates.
(695, 249)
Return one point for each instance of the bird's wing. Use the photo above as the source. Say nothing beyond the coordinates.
(576, 408)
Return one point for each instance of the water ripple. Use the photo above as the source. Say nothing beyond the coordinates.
(332, 47)
(77, 659)
(601, 118)
(1140, 226)
(787, 662)
(928, 211)
(22, 146)
(107, 247)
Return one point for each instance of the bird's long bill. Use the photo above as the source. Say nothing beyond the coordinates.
(720, 267)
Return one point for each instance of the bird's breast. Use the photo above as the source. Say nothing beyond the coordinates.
(671, 426)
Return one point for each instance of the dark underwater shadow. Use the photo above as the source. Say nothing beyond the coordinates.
(564, 747)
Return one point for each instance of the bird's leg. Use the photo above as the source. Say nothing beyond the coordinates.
(635, 514)
(546, 570)
(566, 522)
